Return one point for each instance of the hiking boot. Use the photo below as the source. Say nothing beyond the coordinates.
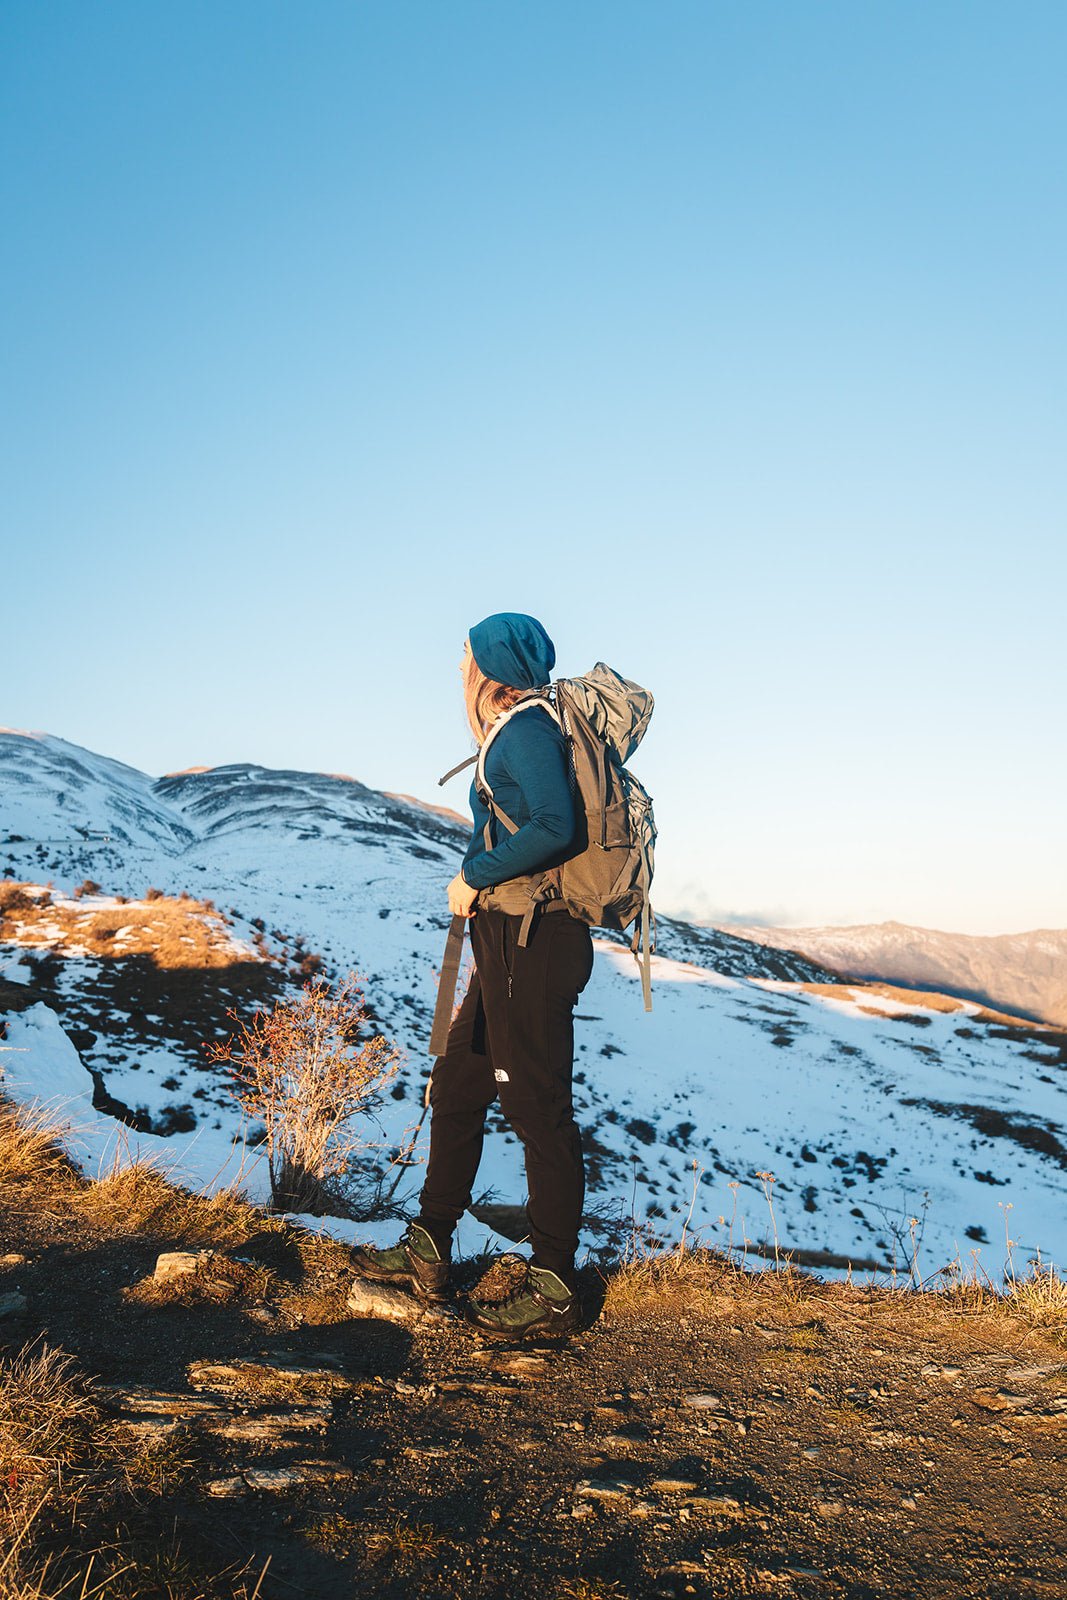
(413, 1262)
(539, 1303)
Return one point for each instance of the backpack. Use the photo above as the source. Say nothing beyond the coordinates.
(606, 879)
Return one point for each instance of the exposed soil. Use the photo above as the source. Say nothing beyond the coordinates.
(744, 1436)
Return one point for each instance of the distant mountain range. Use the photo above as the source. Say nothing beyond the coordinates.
(1025, 973)
(869, 1107)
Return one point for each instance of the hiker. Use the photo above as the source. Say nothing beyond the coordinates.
(513, 1035)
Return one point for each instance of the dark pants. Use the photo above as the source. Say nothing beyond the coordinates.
(513, 1036)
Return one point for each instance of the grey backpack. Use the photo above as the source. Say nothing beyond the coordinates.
(605, 880)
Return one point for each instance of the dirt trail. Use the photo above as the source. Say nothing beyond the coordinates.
(753, 1436)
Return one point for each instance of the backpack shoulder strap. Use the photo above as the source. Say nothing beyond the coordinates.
(481, 782)
(536, 697)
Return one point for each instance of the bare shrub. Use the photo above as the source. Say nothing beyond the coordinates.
(90, 886)
(306, 1071)
(153, 894)
(13, 897)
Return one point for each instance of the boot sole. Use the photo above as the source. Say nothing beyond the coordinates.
(555, 1329)
(404, 1280)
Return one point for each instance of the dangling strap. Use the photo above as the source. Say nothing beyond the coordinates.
(527, 924)
(446, 988)
(538, 695)
(646, 959)
(642, 939)
(451, 773)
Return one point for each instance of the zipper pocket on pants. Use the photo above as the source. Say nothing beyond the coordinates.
(504, 952)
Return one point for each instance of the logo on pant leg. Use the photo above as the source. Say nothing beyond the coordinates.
(500, 1075)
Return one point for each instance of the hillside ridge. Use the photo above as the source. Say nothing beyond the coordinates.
(1025, 973)
(879, 1116)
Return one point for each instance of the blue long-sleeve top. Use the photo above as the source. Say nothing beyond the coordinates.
(526, 768)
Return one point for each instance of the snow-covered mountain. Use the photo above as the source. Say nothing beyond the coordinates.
(869, 1108)
(1025, 973)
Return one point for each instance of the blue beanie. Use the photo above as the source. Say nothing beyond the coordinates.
(513, 648)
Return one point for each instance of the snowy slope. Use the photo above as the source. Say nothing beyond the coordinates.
(55, 790)
(866, 1115)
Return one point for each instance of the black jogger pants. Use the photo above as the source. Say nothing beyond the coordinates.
(513, 1037)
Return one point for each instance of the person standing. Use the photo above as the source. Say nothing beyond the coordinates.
(513, 1035)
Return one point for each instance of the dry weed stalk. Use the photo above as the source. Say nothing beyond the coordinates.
(767, 1185)
(306, 1071)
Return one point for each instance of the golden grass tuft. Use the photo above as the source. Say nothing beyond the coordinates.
(333, 1533)
(139, 1198)
(31, 1146)
(1038, 1299)
(695, 1282)
(68, 1477)
(47, 1420)
(406, 1544)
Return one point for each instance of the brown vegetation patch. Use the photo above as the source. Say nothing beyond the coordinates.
(929, 1000)
(139, 1199)
(217, 1280)
(171, 931)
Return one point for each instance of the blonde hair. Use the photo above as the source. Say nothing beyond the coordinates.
(485, 698)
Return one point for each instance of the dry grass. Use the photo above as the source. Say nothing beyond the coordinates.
(590, 1589)
(139, 1198)
(31, 1146)
(406, 1544)
(925, 1000)
(1038, 1298)
(334, 1533)
(49, 1432)
(696, 1280)
(702, 1282)
(46, 1422)
(327, 1271)
(172, 931)
(671, 1283)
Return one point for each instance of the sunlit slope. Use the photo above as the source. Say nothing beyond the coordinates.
(1021, 972)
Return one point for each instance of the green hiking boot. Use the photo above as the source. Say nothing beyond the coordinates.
(413, 1262)
(540, 1303)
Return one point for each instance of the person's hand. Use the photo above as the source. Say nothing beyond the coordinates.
(461, 897)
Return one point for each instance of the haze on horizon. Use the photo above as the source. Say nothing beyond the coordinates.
(730, 343)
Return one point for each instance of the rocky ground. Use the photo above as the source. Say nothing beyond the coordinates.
(708, 1433)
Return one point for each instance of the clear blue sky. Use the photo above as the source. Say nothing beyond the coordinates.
(728, 339)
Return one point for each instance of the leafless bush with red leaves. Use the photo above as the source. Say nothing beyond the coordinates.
(307, 1070)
